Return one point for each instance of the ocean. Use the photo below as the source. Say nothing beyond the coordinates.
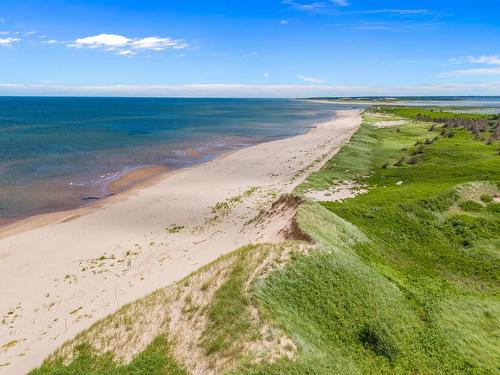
(58, 153)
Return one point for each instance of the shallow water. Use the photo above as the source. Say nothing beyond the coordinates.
(55, 153)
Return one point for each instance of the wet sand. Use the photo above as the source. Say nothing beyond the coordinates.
(134, 177)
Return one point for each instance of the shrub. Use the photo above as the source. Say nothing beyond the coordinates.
(418, 150)
(377, 339)
(447, 133)
(486, 198)
(440, 202)
(400, 162)
(470, 206)
(494, 207)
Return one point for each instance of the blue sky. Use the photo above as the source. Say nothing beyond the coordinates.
(249, 48)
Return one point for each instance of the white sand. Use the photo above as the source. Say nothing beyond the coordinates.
(339, 192)
(386, 124)
(48, 294)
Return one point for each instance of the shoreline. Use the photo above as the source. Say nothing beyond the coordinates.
(58, 279)
(134, 177)
(118, 187)
(124, 183)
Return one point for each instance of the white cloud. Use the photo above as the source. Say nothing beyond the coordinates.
(400, 12)
(125, 46)
(242, 90)
(494, 60)
(266, 75)
(127, 52)
(331, 7)
(7, 42)
(307, 7)
(158, 44)
(374, 26)
(310, 79)
(101, 40)
(52, 41)
(284, 22)
(493, 71)
(492, 68)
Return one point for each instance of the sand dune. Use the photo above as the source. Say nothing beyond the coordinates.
(60, 277)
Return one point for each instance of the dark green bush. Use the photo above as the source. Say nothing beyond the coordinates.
(486, 198)
(470, 206)
(494, 207)
(377, 339)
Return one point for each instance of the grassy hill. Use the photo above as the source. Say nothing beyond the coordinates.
(401, 279)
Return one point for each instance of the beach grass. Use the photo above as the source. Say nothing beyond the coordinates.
(155, 359)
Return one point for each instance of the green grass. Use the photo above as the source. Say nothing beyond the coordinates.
(155, 359)
(352, 162)
(229, 317)
(435, 113)
(404, 280)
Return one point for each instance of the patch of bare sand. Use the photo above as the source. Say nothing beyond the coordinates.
(338, 192)
(386, 124)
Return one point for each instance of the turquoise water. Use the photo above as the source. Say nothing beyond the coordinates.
(56, 153)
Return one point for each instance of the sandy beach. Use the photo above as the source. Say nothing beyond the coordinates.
(63, 272)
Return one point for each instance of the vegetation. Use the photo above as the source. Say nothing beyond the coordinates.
(486, 198)
(432, 114)
(174, 228)
(419, 295)
(353, 162)
(470, 206)
(222, 209)
(474, 122)
(403, 279)
(155, 359)
(228, 313)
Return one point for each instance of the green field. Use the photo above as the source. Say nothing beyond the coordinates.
(403, 279)
(435, 113)
(420, 294)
